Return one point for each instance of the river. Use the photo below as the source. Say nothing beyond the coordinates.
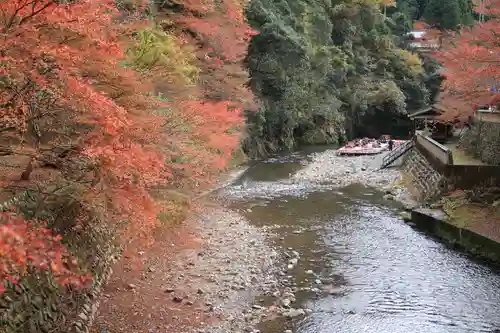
(351, 261)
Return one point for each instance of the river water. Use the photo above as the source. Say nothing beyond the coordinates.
(361, 268)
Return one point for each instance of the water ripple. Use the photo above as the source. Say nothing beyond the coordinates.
(401, 278)
(382, 275)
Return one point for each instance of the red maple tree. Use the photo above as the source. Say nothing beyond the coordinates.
(61, 62)
(48, 50)
(471, 60)
(24, 246)
(216, 124)
(220, 33)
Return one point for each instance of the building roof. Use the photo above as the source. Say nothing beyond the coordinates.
(429, 112)
(452, 109)
(425, 38)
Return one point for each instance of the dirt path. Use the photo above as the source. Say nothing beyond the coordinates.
(208, 269)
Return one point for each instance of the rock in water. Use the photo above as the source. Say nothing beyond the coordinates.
(292, 313)
(388, 197)
(406, 216)
(286, 302)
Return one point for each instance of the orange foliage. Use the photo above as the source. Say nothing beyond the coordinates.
(222, 27)
(471, 61)
(46, 47)
(110, 144)
(23, 245)
(420, 25)
(215, 123)
(487, 7)
(65, 59)
(219, 30)
(221, 35)
(456, 110)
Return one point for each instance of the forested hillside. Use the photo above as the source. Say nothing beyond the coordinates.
(112, 115)
(328, 70)
(444, 14)
(115, 113)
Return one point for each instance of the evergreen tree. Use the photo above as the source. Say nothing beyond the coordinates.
(449, 14)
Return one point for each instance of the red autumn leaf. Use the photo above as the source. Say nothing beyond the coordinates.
(471, 62)
(69, 51)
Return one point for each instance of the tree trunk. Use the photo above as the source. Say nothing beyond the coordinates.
(27, 172)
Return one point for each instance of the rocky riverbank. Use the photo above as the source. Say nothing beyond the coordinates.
(226, 279)
(324, 171)
(329, 169)
(212, 274)
(218, 273)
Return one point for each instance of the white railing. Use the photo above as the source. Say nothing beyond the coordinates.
(440, 152)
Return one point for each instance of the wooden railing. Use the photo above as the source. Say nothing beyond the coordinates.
(396, 153)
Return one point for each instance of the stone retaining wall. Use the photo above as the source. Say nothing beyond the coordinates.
(83, 305)
(89, 309)
(428, 181)
(442, 154)
(465, 239)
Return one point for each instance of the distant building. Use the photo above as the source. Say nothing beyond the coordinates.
(487, 108)
(424, 40)
(431, 118)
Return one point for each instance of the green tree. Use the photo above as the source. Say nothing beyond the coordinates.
(414, 9)
(449, 14)
(328, 70)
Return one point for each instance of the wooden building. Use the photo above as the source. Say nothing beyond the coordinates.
(424, 38)
(430, 119)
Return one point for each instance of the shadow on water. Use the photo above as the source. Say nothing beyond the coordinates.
(362, 269)
(281, 166)
(267, 172)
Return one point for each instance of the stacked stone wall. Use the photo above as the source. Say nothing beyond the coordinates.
(427, 180)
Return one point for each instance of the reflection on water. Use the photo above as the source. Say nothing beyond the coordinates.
(362, 269)
(265, 172)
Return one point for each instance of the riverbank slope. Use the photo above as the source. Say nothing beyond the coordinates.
(205, 274)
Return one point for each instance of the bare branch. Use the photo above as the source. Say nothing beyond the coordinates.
(35, 12)
(13, 16)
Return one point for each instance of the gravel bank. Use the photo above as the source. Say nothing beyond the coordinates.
(327, 171)
(227, 277)
(327, 168)
(213, 277)
(245, 281)
(233, 266)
